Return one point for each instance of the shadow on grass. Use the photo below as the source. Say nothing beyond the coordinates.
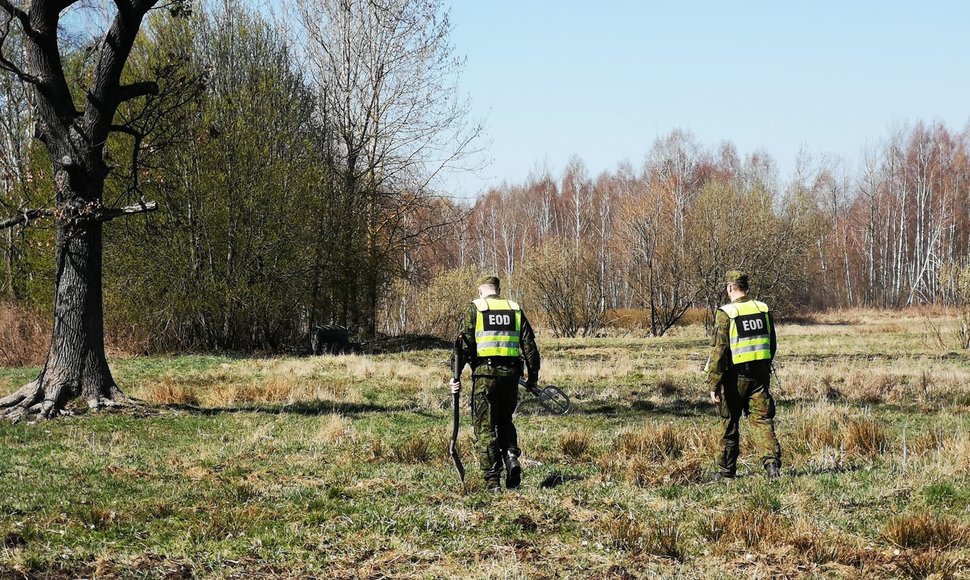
(307, 408)
(678, 407)
(806, 471)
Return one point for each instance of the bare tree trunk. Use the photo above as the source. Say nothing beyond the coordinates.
(76, 364)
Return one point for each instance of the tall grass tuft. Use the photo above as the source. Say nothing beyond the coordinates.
(334, 429)
(167, 392)
(864, 437)
(658, 539)
(652, 442)
(927, 564)
(419, 448)
(924, 531)
(576, 443)
(750, 527)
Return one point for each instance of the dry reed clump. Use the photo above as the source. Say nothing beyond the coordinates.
(920, 565)
(686, 471)
(816, 433)
(750, 527)
(168, 392)
(630, 535)
(271, 391)
(819, 548)
(419, 448)
(825, 387)
(24, 337)
(957, 448)
(576, 443)
(872, 387)
(658, 455)
(864, 437)
(929, 441)
(657, 443)
(668, 387)
(925, 531)
(334, 429)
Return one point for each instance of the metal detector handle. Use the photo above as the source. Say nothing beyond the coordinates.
(458, 361)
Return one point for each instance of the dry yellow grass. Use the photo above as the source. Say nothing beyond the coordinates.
(334, 429)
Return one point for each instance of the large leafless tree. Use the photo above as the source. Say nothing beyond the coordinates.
(74, 124)
(385, 72)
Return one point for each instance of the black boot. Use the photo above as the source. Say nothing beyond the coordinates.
(513, 471)
(772, 471)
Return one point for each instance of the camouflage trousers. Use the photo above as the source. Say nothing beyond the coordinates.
(747, 395)
(493, 402)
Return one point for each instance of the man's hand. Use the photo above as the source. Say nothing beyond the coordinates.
(715, 398)
(455, 386)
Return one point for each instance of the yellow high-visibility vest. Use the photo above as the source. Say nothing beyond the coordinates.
(750, 331)
(498, 326)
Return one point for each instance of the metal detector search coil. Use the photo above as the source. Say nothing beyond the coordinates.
(551, 398)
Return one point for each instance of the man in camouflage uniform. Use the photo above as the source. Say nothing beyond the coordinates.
(739, 373)
(497, 337)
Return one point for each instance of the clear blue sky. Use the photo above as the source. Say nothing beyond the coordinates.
(603, 80)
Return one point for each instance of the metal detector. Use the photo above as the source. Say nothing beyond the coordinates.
(551, 398)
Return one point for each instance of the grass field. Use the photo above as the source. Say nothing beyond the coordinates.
(337, 467)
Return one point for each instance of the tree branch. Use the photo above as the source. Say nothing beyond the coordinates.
(17, 13)
(26, 216)
(106, 214)
(133, 91)
(7, 64)
(106, 91)
(89, 213)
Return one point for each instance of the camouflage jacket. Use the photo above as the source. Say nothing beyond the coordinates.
(527, 343)
(720, 361)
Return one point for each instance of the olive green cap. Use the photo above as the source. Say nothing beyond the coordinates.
(736, 277)
(488, 280)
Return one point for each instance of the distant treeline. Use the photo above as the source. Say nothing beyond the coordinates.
(659, 235)
(294, 183)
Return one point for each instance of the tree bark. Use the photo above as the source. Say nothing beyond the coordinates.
(76, 364)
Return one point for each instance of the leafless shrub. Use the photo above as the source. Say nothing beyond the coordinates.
(964, 331)
(564, 284)
(433, 309)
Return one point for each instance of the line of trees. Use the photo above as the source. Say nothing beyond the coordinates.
(293, 177)
(294, 180)
(658, 237)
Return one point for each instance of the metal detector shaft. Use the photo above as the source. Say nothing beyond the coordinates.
(459, 364)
